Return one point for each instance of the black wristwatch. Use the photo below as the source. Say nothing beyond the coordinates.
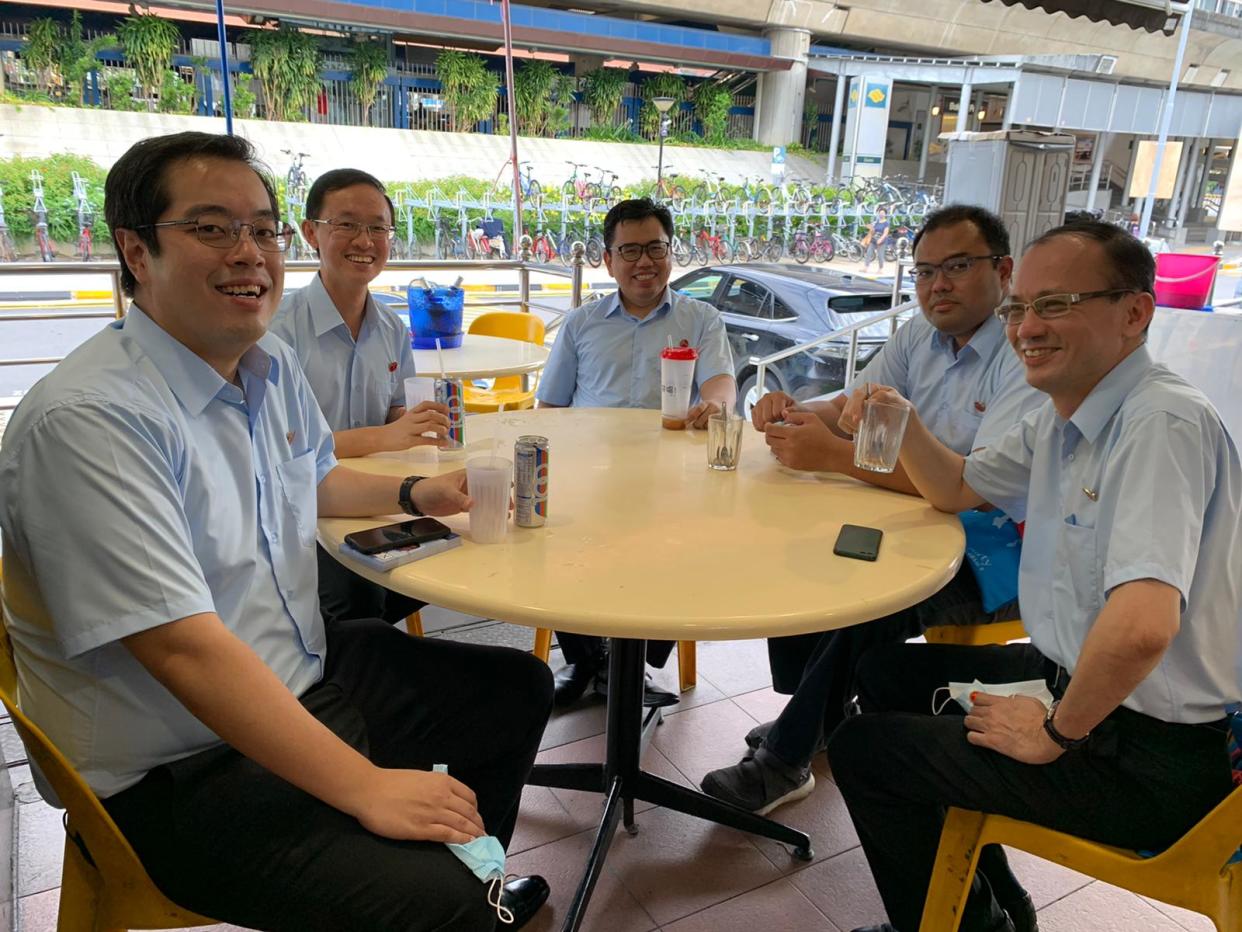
(405, 496)
(1066, 744)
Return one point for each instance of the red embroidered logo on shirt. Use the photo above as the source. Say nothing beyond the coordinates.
(980, 407)
(289, 436)
(392, 367)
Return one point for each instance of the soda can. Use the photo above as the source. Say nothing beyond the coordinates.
(530, 481)
(449, 392)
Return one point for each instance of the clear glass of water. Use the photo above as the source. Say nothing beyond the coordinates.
(724, 440)
(878, 441)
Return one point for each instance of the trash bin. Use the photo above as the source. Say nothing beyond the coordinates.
(1185, 280)
(435, 313)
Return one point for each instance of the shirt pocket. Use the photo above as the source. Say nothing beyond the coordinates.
(1079, 577)
(300, 491)
(964, 424)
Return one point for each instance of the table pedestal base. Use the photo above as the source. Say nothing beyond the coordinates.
(622, 780)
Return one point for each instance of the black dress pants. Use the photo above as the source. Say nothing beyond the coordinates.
(224, 837)
(825, 678)
(344, 595)
(1138, 783)
(589, 649)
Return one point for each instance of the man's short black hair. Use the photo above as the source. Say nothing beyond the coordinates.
(136, 194)
(637, 208)
(338, 179)
(1130, 263)
(990, 226)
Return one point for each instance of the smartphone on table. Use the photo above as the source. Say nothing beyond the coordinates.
(858, 543)
(396, 536)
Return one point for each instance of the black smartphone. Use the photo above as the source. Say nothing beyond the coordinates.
(396, 536)
(859, 543)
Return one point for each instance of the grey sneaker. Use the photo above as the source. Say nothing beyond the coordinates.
(760, 783)
(757, 735)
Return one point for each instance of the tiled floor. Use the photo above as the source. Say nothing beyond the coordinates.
(679, 874)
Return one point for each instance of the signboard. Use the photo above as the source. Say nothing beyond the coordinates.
(1230, 217)
(1140, 178)
(778, 163)
(866, 126)
(432, 103)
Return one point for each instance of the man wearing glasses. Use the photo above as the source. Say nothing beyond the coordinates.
(953, 363)
(1130, 586)
(356, 356)
(159, 492)
(607, 355)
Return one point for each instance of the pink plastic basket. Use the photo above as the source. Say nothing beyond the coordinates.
(1185, 279)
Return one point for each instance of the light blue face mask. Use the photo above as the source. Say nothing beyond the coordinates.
(485, 857)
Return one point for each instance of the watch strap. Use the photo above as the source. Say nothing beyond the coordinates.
(405, 496)
(1066, 744)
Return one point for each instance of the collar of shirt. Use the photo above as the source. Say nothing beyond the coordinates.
(1098, 408)
(323, 312)
(614, 306)
(983, 342)
(190, 378)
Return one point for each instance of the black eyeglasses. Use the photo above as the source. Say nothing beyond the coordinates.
(1052, 306)
(349, 229)
(952, 268)
(221, 231)
(632, 252)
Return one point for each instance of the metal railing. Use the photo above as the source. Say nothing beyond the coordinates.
(523, 266)
(895, 311)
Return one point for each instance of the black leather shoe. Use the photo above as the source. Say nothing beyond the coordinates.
(523, 897)
(571, 681)
(1022, 914)
(653, 695)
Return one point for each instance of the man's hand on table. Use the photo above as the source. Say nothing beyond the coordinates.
(418, 805)
(805, 442)
(442, 495)
(771, 407)
(408, 429)
(698, 414)
(1013, 726)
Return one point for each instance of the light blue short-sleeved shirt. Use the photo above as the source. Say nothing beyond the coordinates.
(355, 382)
(138, 487)
(604, 357)
(967, 398)
(1142, 482)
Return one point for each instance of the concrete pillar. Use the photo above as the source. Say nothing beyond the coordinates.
(1126, 201)
(838, 110)
(927, 130)
(1183, 169)
(583, 63)
(964, 101)
(1206, 174)
(1192, 180)
(778, 104)
(1102, 142)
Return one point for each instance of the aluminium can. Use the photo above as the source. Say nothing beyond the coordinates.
(450, 392)
(530, 481)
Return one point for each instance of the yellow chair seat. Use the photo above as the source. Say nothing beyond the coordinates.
(1000, 632)
(508, 390)
(103, 886)
(1193, 873)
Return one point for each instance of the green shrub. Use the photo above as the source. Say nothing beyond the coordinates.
(62, 213)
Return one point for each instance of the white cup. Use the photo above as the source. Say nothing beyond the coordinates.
(419, 389)
(488, 479)
(676, 384)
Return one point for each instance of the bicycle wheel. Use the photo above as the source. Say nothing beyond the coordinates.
(799, 251)
(534, 191)
(45, 246)
(722, 250)
(591, 192)
(677, 194)
(774, 249)
(8, 251)
(683, 252)
(595, 251)
(854, 250)
(825, 249)
(615, 194)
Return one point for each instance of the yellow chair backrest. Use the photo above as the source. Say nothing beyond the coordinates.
(510, 325)
(103, 885)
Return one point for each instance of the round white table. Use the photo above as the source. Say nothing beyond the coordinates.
(644, 541)
(483, 357)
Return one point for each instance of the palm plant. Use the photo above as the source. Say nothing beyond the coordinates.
(79, 56)
(533, 86)
(368, 65)
(41, 53)
(149, 43)
(602, 90)
(286, 63)
(468, 86)
(659, 85)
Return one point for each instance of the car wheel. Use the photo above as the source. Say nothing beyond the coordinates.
(748, 393)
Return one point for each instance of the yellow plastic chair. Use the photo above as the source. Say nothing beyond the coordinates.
(687, 672)
(1000, 632)
(507, 389)
(1194, 873)
(103, 885)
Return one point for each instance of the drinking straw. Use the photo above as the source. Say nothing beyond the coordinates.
(500, 409)
(440, 354)
(669, 338)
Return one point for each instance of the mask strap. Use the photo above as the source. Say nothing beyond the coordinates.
(947, 699)
(495, 890)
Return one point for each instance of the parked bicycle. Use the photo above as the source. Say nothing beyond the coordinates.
(609, 190)
(46, 252)
(668, 189)
(86, 219)
(582, 188)
(532, 190)
(8, 249)
(486, 240)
